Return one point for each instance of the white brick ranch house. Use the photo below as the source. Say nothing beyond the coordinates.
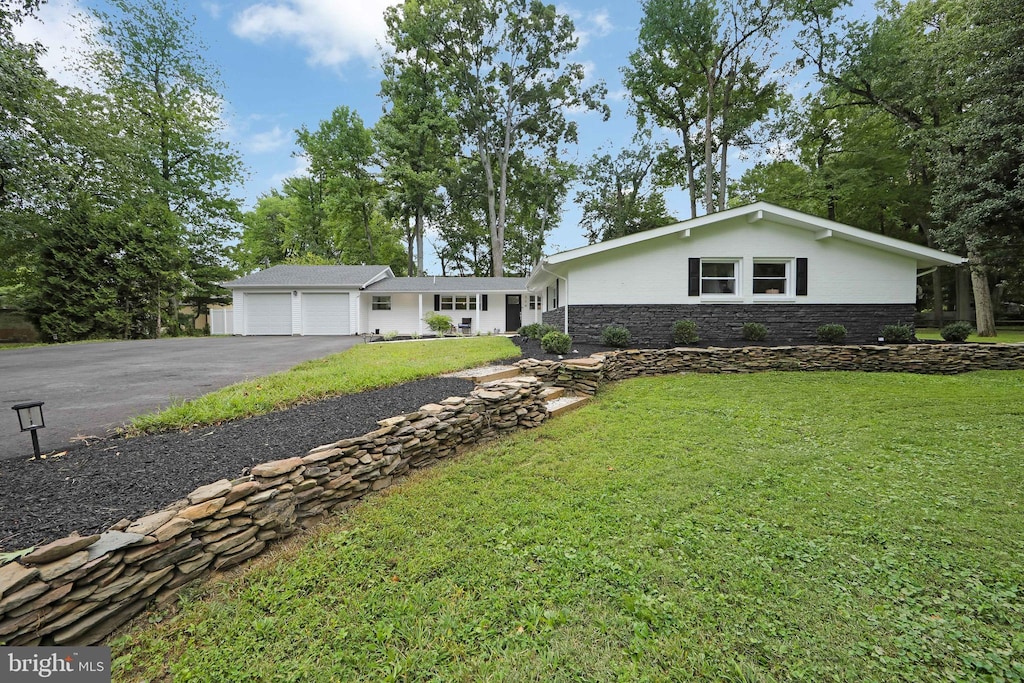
(342, 300)
(759, 263)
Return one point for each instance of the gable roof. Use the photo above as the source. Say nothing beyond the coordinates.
(313, 276)
(822, 227)
(449, 284)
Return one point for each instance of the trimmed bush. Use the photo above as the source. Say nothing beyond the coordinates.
(831, 333)
(556, 342)
(536, 331)
(957, 332)
(684, 332)
(754, 332)
(438, 323)
(898, 333)
(615, 335)
(390, 335)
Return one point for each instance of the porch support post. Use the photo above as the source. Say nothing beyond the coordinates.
(478, 312)
(419, 318)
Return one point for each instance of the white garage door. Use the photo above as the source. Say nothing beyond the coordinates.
(325, 314)
(268, 313)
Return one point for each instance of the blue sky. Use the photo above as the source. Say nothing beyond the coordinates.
(288, 63)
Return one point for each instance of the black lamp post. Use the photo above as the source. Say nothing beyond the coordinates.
(30, 417)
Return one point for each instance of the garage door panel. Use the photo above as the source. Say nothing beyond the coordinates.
(268, 314)
(325, 314)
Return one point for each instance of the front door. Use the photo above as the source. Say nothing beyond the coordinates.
(513, 312)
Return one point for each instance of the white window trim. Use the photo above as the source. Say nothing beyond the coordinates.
(790, 293)
(378, 300)
(737, 273)
(450, 302)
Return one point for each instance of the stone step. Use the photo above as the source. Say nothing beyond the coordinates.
(551, 393)
(492, 374)
(564, 404)
(487, 374)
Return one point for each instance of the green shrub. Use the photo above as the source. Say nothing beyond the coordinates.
(390, 335)
(536, 331)
(556, 342)
(831, 333)
(438, 323)
(957, 332)
(615, 335)
(898, 333)
(684, 332)
(754, 332)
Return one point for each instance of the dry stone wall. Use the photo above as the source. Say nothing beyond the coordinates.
(584, 375)
(77, 590)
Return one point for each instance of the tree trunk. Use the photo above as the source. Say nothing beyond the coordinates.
(709, 162)
(691, 179)
(419, 241)
(497, 253)
(721, 177)
(410, 235)
(984, 315)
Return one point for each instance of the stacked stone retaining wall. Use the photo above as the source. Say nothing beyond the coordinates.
(77, 590)
(585, 375)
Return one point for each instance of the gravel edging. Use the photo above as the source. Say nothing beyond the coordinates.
(95, 486)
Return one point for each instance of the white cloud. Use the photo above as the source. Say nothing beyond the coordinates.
(300, 167)
(61, 27)
(596, 24)
(333, 31)
(268, 141)
(214, 9)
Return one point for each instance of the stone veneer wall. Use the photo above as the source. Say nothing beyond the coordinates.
(585, 375)
(77, 590)
(651, 324)
(555, 317)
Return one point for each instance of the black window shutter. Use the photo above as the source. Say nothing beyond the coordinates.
(694, 277)
(437, 302)
(483, 302)
(801, 277)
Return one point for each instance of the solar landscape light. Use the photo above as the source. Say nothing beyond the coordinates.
(30, 418)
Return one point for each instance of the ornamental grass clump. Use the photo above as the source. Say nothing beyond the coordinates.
(616, 335)
(831, 333)
(556, 342)
(957, 332)
(754, 332)
(684, 332)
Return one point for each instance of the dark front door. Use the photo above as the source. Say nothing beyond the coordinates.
(513, 312)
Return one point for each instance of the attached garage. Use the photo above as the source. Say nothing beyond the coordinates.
(267, 314)
(301, 300)
(325, 313)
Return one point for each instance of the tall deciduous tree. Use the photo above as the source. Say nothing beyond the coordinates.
(701, 69)
(417, 141)
(504, 67)
(911, 64)
(165, 97)
(979, 156)
(620, 195)
(341, 155)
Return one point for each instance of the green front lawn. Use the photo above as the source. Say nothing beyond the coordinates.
(768, 527)
(1004, 335)
(367, 366)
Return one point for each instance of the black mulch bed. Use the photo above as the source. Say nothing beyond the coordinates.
(95, 486)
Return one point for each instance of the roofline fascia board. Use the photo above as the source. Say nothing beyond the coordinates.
(760, 211)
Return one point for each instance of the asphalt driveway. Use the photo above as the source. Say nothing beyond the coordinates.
(91, 389)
